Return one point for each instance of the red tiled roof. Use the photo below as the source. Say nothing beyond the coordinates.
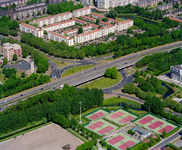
(86, 26)
(42, 19)
(100, 16)
(85, 8)
(71, 30)
(66, 21)
(113, 20)
(88, 32)
(63, 13)
(174, 19)
(88, 18)
(105, 23)
(24, 24)
(79, 20)
(129, 20)
(59, 35)
(94, 25)
(50, 25)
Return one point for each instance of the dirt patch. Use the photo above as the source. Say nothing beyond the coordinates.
(50, 137)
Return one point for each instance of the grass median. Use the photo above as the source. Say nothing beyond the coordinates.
(102, 82)
(76, 69)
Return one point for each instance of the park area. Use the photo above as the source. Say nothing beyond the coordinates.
(155, 124)
(96, 114)
(101, 127)
(122, 141)
(121, 117)
(50, 137)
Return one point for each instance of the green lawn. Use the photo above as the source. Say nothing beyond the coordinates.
(102, 82)
(117, 18)
(61, 64)
(129, 71)
(75, 69)
(116, 101)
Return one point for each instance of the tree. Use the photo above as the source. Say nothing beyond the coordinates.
(137, 74)
(14, 33)
(39, 13)
(61, 120)
(160, 3)
(80, 30)
(97, 21)
(23, 75)
(81, 54)
(3, 40)
(5, 61)
(44, 11)
(15, 57)
(126, 107)
(108, 73)
(112, 14)
(164, 133)
(34, 14)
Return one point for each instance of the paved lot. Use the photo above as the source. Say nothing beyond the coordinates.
(51, 137)
(178, 143)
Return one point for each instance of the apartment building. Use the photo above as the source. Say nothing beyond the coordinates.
(29, 29)
(97, 16)
(106, 4)
(176, 72)
(80, 21)
(88, 19)
(82, 12)
(162, 7)
(148, 2)
(58, 37)
(10, 49)
(5, 3)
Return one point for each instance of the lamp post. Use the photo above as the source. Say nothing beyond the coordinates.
(80, 113)
(149, 107)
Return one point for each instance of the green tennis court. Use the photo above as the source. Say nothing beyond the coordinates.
(121, 117)
(155, 124)
(122, 141)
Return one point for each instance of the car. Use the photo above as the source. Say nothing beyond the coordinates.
(41, 88)
(95, 68)
(21, 95)
(48, 56)
(125, 63)
(54, 87)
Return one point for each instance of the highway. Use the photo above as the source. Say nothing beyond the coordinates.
(91, 73)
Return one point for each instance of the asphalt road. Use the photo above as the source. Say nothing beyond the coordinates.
(89, 74)
(55, 72)
(165, 142)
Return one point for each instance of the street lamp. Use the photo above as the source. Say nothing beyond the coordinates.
(149, 107)
(80, 112)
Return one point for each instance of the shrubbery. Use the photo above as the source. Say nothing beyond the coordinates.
(111, 73)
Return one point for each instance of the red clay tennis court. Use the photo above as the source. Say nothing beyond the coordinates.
(116, 115)
(155, 125)
(127, 144)
(146, 120)
(116, 139)
(97, 115)
(167, 128)
(96, 125)
(105, 130)
(126, 119)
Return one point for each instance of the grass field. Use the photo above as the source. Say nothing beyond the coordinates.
(121, 138)
(117, 18)
(102, 128)
(155, 124)
(61, 64)
(121, 117)
(96, 114)
(102, 82)
(75, 69)
(129, 71)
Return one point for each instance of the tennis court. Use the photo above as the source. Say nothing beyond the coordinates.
(155, 124)
(121, 117)
(96, 114)
(101, 127)
(122, 141)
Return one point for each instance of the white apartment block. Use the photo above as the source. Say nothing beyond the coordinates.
(97, 16)
(105, 4)
(53, 19)
(80, 21)
(88, 19)
(29, 29)
(119, 26)
(60, 25)
(58, 37)
(82, 12)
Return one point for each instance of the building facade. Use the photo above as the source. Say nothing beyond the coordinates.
(106, 4)
(176, 72)
(10, 49)
(5, 3)
(148, 2)
(30, 29)
(82, 12)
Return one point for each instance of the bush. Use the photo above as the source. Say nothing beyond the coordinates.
(131, 132)
(173, 146)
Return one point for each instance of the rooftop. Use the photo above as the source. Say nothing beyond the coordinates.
(175, 19)
(177, 67)
(85, 8)
(141, 130)
(24, 24)
(100, 16)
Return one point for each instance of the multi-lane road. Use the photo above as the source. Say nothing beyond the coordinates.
(91, 73)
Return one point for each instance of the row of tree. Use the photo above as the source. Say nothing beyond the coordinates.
(63, 7)
(41, 61)
(15, 85)
(46, 105)
(160, 62)
(55, 48)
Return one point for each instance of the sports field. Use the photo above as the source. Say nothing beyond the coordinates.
(96, 114)
(121, 117)
(50, 137)
(155, 124)
(122, 141)
(101, 127)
